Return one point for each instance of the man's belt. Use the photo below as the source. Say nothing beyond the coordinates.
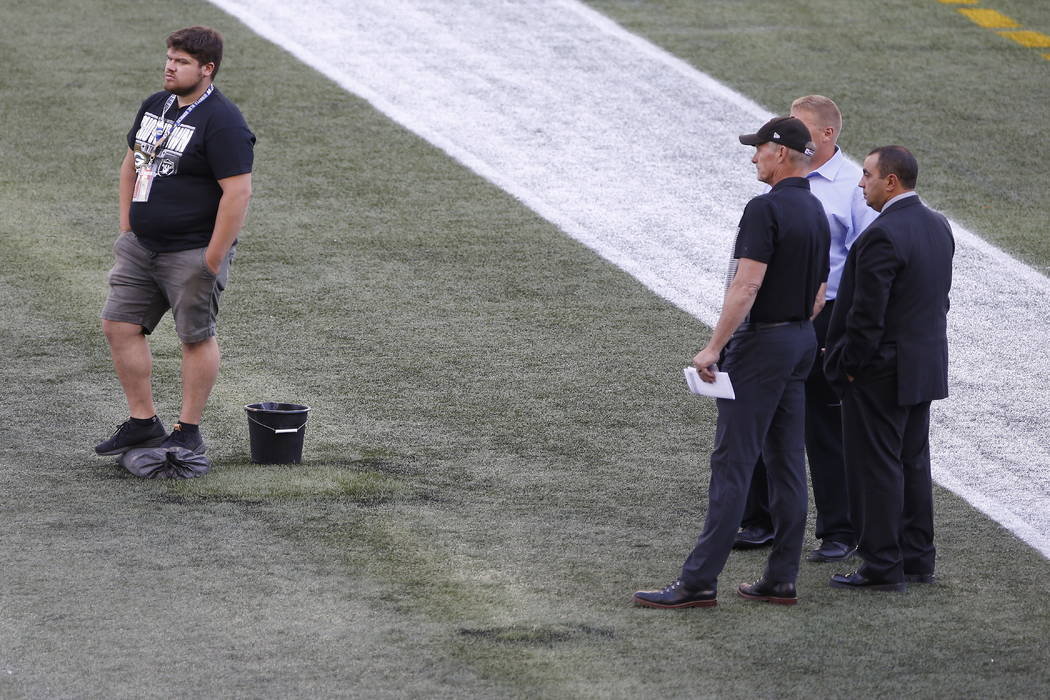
(764, 325)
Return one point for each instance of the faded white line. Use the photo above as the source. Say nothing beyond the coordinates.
(633, 152)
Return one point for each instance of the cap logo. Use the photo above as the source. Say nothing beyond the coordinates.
(776, 135)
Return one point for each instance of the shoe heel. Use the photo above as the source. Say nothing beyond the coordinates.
(783, 601)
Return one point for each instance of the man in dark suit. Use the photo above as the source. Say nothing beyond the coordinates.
(887, 354)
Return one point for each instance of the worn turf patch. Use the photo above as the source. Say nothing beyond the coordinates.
(274, 483)
(537, 635)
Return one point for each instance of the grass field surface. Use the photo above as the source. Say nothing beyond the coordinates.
(500, 449)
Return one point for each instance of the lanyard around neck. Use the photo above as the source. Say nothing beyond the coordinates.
(161, 133)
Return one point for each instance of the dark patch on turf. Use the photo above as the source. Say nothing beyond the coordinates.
(537, 635)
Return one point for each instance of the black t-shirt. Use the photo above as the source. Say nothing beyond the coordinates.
(785, 228)
(212, 143)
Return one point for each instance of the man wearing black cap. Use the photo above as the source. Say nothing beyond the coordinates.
(833, 180)
(764, 340)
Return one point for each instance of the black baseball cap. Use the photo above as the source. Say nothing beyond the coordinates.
(786, 131)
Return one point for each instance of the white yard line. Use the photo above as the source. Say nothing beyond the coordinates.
(634, 153)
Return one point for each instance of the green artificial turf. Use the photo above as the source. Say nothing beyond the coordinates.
(499, 450)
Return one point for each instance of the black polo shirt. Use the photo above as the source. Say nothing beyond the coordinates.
(787, 230)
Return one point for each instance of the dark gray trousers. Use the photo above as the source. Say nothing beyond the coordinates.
(890, 487)
(768, 368)
(827, 467)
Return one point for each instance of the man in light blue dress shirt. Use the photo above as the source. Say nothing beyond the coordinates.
(833, 180)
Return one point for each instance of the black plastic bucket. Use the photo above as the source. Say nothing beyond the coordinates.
(276, 431)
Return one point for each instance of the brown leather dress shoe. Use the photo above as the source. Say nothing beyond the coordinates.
(859, 582)
(676, 595)
(778, 593)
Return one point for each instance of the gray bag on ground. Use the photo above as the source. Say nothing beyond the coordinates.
(164, 463)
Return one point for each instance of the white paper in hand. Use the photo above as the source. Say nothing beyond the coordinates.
(722, 388)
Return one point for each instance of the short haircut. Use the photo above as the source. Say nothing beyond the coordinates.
(203, 43)
(823, 108)
(798, 158)
(899, 161)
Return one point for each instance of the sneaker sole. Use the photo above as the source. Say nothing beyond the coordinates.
(691, 604)
(152, 442)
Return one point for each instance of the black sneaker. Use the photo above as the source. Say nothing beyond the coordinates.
(130, 435)
(194, 442)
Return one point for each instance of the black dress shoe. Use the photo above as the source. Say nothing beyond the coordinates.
(920, 578)
(779, 593)
(831, 551)
(676, 596)
(858, 581)
(752, 538)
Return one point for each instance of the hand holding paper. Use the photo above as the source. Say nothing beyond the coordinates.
(705, 363)
(721, 388)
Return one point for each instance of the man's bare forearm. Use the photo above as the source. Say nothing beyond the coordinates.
(127, 187)
(233, 209)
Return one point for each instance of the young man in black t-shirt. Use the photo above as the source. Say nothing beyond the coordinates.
(185, 183)
(764, 340)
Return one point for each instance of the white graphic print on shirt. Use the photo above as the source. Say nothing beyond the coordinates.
(171, 150)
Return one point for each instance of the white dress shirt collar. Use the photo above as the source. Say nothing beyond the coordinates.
(903, 195)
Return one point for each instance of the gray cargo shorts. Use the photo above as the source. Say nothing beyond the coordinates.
(143, 285)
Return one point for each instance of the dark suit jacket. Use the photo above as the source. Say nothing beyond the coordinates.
(890, 315)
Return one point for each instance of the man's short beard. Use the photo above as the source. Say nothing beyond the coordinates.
(182, 92)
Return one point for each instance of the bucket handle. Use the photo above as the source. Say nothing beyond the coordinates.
(278, 431)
